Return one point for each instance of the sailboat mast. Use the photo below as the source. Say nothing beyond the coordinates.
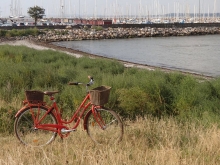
(214, 10)
(11, 8)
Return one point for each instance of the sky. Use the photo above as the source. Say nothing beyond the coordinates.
(108, 8)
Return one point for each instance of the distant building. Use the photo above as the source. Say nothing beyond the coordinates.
(78, 21)
(107, 22)
(93, 22)
(55, 20)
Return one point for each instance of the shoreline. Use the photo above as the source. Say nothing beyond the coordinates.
(76, 53)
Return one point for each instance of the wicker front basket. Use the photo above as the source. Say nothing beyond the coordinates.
(100, 95)
(34, 96)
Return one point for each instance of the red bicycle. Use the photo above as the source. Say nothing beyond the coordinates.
(37, 124)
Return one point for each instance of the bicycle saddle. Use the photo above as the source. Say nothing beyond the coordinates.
(49, 93)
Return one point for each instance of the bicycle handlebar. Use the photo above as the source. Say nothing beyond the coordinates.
(91, 81)
(78, 83)
(73, 83)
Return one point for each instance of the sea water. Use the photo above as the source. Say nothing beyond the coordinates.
(194, 54)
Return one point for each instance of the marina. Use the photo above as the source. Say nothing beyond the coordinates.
(119, 12)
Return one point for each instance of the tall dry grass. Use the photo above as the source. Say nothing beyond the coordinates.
(146, 141)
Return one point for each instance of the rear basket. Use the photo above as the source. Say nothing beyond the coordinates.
(100, 95)
(34, 96)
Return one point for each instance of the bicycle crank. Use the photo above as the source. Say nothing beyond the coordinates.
(63, 130)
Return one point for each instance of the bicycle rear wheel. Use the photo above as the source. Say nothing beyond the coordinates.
(27, 133)
(112, 130)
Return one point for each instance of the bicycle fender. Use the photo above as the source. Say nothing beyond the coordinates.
(24, 108)
(20, 110)
(86, 118)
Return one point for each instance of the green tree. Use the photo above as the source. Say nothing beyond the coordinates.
(36, 12)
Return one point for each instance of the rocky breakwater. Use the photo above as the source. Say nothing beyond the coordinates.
(98, 33)
(116, 33)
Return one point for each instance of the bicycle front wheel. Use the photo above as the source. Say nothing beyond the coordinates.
(111, 129)
(27, 133)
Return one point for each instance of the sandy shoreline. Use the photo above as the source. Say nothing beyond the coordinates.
(78, 54)
(75, 53)
(36, 45)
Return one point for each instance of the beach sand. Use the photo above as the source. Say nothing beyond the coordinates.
(37, 46)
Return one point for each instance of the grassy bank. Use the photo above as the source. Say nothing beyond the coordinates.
(134, 93)
(19, 33)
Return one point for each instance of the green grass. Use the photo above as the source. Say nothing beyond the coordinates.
(21, 32)
(135, 92)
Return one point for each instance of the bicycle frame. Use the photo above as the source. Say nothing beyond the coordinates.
(60, 127)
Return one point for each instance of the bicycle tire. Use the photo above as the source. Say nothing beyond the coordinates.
(25, 131)
(113, 131)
